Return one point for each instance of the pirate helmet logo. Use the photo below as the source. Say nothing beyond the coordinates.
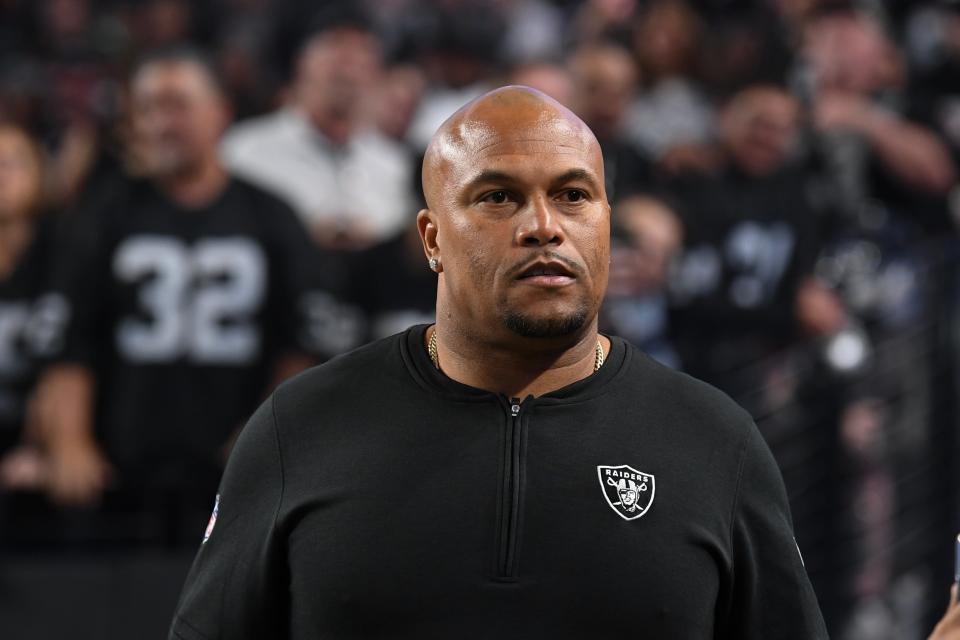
(628, 492)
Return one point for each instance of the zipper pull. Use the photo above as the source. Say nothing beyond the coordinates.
(514, 409)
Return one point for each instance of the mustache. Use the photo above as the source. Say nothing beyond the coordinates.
(546, 256)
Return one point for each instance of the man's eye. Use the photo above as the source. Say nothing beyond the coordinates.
(575, 195)
(497, 197)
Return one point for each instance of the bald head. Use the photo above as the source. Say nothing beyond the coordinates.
(518, 224)
(499, 122)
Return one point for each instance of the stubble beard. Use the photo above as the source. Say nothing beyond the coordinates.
(552, 327)
(560, 325)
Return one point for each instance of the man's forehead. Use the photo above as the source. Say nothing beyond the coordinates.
(511, 130)
(182, 75)
(550, 132)
(524, 162)
(544, 147)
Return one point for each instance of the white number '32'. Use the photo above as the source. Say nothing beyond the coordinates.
(200, 299)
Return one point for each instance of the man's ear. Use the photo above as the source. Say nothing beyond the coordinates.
(427, 226)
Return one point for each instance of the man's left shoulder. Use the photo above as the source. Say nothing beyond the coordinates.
(667, 391)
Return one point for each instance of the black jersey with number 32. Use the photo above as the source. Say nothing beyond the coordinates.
(181, 313)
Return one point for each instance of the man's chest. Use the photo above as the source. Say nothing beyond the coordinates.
(572, 522)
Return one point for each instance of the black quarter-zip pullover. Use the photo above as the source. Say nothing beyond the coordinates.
(373, 497)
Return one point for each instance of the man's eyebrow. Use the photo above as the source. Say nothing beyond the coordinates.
(490, 176)
(576, 174)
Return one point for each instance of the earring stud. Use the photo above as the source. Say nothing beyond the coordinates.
(433, 264)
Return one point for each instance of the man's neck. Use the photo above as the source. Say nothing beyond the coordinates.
(517, 368)
(197, 188)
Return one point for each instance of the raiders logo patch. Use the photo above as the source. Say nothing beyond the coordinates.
(628, 492)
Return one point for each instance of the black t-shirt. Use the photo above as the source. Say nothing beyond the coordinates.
(181, 313)
(626, 170)
(391, 284)
(748, 245)
(374, 497)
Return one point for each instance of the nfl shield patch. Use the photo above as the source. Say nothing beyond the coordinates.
(628, 492)
(213, 519)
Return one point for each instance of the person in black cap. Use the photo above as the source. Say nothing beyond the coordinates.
(464, 479)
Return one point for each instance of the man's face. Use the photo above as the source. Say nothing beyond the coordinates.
(850, 53)
(522, 224)
(628, 497)
(178, 117)
(604, 81)
(19, 174)
(20, 178)
(653, 235)
(760, 131)
(337, 72)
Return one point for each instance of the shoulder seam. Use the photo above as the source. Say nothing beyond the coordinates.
(736, 493)
(183, 621)
(276, 435)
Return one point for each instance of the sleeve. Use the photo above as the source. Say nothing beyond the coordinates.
(314, 317)
(236, 588)
(771, 595)
(74, 326)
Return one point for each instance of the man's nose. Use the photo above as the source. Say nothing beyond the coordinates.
(540, 225)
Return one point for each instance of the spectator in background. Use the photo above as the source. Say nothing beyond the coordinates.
(399, 95)
(65, 91)
(392, 287)
(534, 31)
(752, 238)
(933, 45)
(459, 51)
(25, 313)
(167, 23)
(746, 42)
(853, 72)
(388, 283)
(322, 152)
(604, 80)
(671, 111)
(891, 175)
(647, 236)
(602, 20)
(187, 295)
(749, 315)
(550, 78)
(252, 86)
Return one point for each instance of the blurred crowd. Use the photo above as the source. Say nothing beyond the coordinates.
(199, 199)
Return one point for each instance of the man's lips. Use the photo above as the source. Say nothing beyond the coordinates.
(547, 274)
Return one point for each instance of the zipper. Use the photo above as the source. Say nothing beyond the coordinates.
(506, 568)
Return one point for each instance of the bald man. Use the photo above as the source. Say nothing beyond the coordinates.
(506, 472)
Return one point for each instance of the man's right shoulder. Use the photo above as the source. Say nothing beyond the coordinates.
(358, 376)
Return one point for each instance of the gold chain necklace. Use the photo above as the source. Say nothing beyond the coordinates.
(432, 350)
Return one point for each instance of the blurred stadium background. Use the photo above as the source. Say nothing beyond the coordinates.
(784, 181)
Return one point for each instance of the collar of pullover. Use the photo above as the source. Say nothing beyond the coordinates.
(426, 375)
